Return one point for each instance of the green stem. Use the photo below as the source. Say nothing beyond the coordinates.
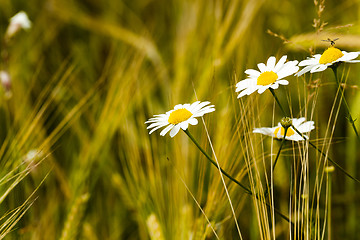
(215, 164)
(231, 178)
(277, 100)
(332, 161)
(351, 120)
(282, 143)
(328, 172)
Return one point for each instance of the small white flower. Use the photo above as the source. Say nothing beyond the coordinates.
(320, 62)
(291, 134)
(17, 22)
(5, 79)
(270, 76)
(33, 154)
(180, 117)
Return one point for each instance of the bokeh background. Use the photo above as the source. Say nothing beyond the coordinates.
(76, 159)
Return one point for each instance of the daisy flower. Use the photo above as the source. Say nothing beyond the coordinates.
(270, 76)
(278, 132)
(17, 22)
(180, 117)
(320, 62)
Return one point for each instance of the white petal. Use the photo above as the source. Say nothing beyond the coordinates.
(348, 56)
(175, 130)
(194, 105)
(207, 109)
(297, 121)
(304, 70)
(292, 63)
(165, 130)
(301, 138)
(318, 68)
(275, 85)
(271, 63)
(199, 106)
(283, 82)
(151, 120)
(156, 128)
(157, 118)
(295, 137)
(186, 106)
(157, 124)
(243, 84)
(243, 93)
(184, 125)
(278, 132)
(309, 61)
(353, 61)
(193, 121)
(288, 69)
(263, 89)
(265, 131)
(262, 67)
(248, 91)
(306, 127)
(178, 106)
(203, 111)
(280, 64)
(252, 73)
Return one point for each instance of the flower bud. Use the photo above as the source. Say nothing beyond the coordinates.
(286, 122)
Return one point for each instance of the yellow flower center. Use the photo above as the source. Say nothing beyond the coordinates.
(289, 132)
(179, 116)
(266, 78)
(330, 55)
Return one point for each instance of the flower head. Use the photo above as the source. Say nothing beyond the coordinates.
(180, 117)
(5, 81)
(33, 154)
(331, 56)
(278, 132)
(17, 22)
(270, 76)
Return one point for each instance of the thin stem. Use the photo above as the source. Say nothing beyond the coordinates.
(277, 100)
(231, 178)
(329, 174)
(214, 163)
(193, 197)
(332, 161)
(282, 143)
(351, 120)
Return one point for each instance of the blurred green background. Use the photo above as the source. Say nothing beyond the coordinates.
(88, 74)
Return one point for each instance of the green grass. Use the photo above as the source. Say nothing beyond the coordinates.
(88, 74)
